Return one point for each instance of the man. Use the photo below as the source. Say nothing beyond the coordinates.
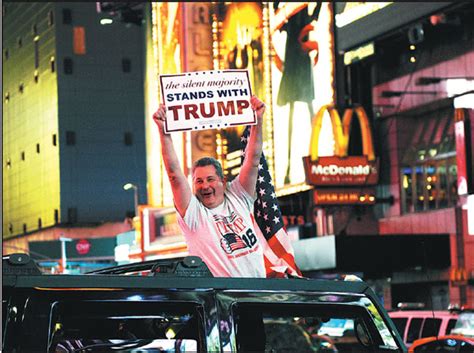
(217, 217)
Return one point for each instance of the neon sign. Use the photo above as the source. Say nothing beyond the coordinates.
(341, 169)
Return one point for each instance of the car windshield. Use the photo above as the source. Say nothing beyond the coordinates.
(465, 325)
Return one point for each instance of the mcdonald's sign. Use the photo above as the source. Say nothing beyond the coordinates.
(458, 276)
(341, 169)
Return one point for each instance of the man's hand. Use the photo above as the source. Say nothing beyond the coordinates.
(249, 170)
(160, 116)
(258, 107)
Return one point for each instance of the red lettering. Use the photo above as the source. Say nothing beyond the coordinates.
(242, 105)
(225, 108)
(190, 109)
(222, 227)
(212, 110)
(239, 225)
(175, 109)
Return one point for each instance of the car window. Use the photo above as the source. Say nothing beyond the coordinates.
(465, 324)
(450, 326)
(431, 327)
(414, 330)
(400, 324)
(124, 327)
(305, 328)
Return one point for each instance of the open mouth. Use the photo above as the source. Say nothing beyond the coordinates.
(207, 194)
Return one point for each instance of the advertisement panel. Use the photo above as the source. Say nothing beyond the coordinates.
(238, 45)
(302, 76)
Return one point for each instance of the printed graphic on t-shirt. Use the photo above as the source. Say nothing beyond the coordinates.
(235, 234)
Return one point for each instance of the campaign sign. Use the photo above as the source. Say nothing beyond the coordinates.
(207, 100)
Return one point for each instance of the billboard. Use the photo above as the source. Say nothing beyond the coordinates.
(238, 43)
(302, 76)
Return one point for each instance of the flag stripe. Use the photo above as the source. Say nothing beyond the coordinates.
(278, 252)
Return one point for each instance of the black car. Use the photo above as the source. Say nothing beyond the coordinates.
(177, 306)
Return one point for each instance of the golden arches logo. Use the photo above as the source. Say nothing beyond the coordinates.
(341, 131)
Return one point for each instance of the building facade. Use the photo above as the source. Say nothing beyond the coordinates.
(414, 73)
(73, 126)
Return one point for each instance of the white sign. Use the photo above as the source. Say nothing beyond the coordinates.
(207, 100)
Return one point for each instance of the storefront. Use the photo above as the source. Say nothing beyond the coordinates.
(414, 73)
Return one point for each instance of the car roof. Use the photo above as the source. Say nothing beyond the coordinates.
(141, 282)
(189, 273)
(423, 313)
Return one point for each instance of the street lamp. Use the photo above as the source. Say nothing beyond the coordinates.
(129, 186)
(63, 241)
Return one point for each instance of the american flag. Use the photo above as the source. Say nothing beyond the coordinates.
(278, 252)
(234, 241)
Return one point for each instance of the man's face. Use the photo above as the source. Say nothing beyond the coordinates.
(208, 187)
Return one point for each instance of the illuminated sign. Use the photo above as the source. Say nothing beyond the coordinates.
(463, 152)
(344, 197)
(358, 54)
(341, 169)
(302, 81)
(354, 11)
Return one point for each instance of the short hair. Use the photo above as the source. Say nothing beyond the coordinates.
(205, 161)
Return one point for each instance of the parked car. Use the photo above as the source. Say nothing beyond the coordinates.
(415, 324)
(443, 344)
(170, 306)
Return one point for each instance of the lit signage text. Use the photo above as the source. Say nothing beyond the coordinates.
(341, 169)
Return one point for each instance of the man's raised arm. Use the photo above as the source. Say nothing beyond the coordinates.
(249, 171)
(179, 184)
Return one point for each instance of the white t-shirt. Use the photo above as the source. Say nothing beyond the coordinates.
(224, 237)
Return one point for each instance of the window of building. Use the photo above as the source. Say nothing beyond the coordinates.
(126, 65)
(23, 155)
(56, 216)
(429, 186)
(53, 64)
(68, 66)
(50, 18)
(36, 53)
(127, 139)
(24, 228)
(40, 223)
(429, 170)
(70, 138)
(37, 148)
(79, 40)
(72, 215)
(67, 16)
(55, 142)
